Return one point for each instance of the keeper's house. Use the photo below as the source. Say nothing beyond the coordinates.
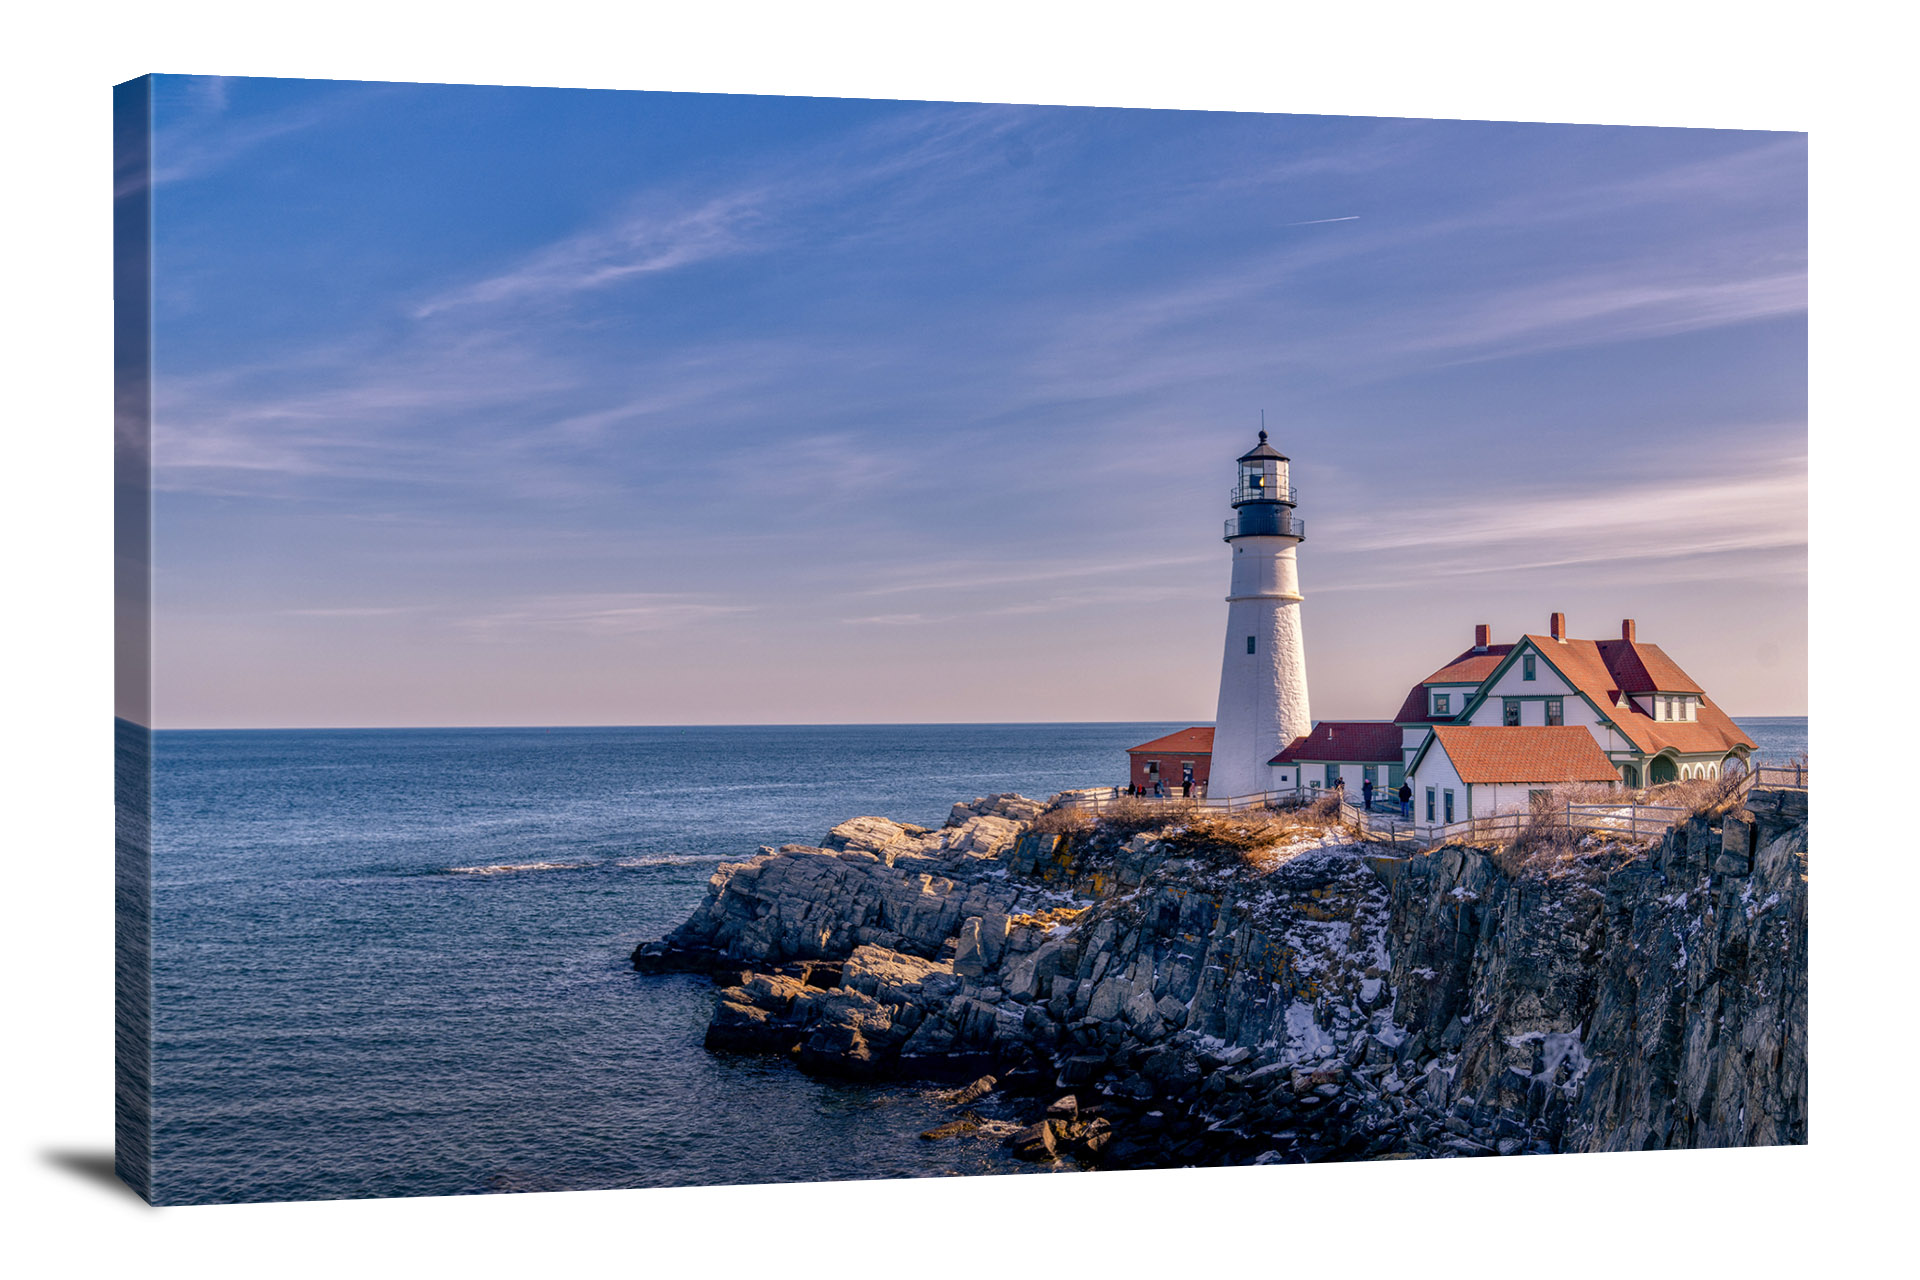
(1649, 720)
(1186, 756)
(1476, 771)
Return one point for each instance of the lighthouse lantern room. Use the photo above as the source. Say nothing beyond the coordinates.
(1263, 672)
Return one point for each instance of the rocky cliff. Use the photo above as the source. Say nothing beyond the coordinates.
(1266, 989)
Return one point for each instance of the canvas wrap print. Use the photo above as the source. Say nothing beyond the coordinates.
(675, 639)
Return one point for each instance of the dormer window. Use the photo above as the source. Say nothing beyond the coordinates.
(1526, 667)
(1443, 704)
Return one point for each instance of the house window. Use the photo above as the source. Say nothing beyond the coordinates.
(1537, 797)
(1556, 711)
(1443, 704)
(1510, 711)
(1526, 667)
(1153, 768)
(1249, 644)
(1448, 801)
(1430, 803)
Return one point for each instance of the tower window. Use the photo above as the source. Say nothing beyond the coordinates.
(1526, 667)
(1249, 644)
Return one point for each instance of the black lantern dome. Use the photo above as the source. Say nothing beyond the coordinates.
(1263, 498)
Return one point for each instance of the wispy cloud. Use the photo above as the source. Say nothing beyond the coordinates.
(352, 611)
(642, 244)
(1604, 308)
(201, 136)
(1654, 530)
(598, 613)
(666, 230)
(959, 577)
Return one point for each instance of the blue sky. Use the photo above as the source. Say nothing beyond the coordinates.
(508, 406)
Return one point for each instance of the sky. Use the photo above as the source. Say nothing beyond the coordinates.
(487, 406)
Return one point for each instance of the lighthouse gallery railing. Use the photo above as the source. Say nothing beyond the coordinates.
(1296, 528)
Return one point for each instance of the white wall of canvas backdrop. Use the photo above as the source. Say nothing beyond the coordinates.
(1759, 1212)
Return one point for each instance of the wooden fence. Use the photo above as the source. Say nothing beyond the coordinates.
(1629, 819)
(1097, 799)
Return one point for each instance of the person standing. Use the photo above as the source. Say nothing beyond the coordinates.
(1366, 792)
(1406, 799)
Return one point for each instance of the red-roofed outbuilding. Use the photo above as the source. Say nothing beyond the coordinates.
(1175, 762)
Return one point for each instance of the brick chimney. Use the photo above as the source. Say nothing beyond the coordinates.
(1557, 627)
(1482, 637)
(1626, 630)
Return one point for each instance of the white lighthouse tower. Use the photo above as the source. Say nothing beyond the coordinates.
(1263, 675)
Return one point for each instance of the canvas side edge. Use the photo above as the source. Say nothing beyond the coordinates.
(132, 586)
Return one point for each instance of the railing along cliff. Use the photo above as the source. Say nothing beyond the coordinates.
(1630, 819)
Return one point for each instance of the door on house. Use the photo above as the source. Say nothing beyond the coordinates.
(1333, 774)
(1186, 773)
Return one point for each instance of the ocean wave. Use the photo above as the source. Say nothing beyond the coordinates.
(503, 868)
(668, 860)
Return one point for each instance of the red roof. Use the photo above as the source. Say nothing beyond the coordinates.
(1195, 741)
(1605, 669)
(1533, 753)
(1346, 742)
(1470, 667)
(1643, 668)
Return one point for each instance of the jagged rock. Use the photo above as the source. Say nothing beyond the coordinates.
(970, 1093)
(1037, 1141)
(1321, 1001)
(968, 1123)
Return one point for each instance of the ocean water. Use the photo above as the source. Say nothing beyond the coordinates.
(1779, 739)
(394, 962)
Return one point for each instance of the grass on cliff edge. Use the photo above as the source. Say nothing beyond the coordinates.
(1545, 846)
(1191, 831)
